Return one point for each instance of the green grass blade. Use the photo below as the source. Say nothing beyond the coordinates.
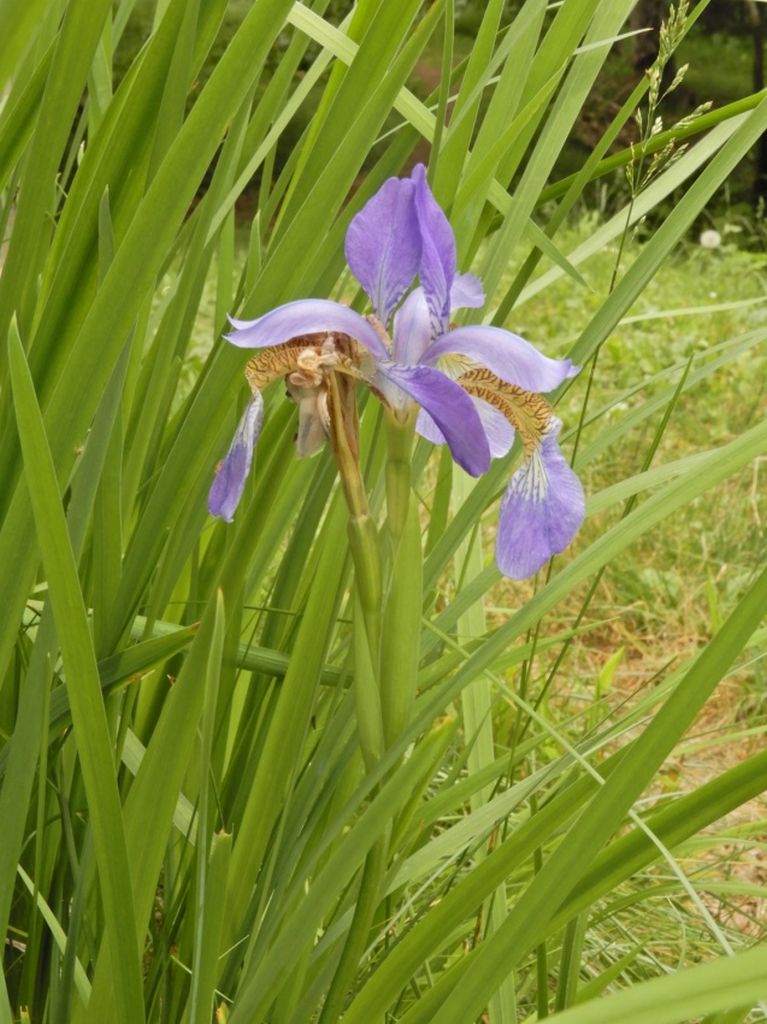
(648, 199)
(211, 928)
(524, 34)
(456, 144)
(90, 723)
(683, 818)
(738, 981)
(402, 615)
(628, 855)
(59, 936)
(152, 799)
(607, 21)
(272, 970)
(76, 44)
(207, 931)
(286, 734)
(704, 123)
(17, 25)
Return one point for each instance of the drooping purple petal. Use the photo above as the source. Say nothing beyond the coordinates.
(229, 483)
(508, 356)
(305, 316)
(412, 324)
(437, 267)
(451, 409)
(541, 511)
(383, 245)
(498, 431)
(427, 428)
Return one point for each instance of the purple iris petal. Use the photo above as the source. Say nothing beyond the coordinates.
(508, 356)
(426, 427)
(227, 488)
(412, 329)
(383, 245)
(498, 431)
(451, 409)
(541, 511)
(305, 316)
(467, 292)
(412, 326)
(437, 268)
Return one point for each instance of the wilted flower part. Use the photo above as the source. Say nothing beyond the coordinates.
(229, 482)
(302, 363)
(313, 418)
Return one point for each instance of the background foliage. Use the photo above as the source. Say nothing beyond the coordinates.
(721, 49)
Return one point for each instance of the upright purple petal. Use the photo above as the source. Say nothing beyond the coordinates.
(498, 431)
(229, 483)
(412, 329)
(383, 245)
(437, 268)
(412, 324)
(305, 316)
(451, 409)
(541, 511)
(508, 356)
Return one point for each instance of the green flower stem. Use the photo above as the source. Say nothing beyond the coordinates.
(401, 637)
(366, 556)
(399, 446)
(363, 535)
(404, 598)
(363, 541)
(367, 695)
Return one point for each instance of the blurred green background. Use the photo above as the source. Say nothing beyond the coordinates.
(721, 50)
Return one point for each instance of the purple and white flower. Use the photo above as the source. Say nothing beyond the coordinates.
(543, 506)
(474, 387)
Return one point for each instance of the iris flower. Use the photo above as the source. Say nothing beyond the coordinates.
(472, 387)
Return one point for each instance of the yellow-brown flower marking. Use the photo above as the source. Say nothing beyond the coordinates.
(528, 413)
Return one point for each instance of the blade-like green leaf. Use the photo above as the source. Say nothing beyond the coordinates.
(90, 723)
(738, 981)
